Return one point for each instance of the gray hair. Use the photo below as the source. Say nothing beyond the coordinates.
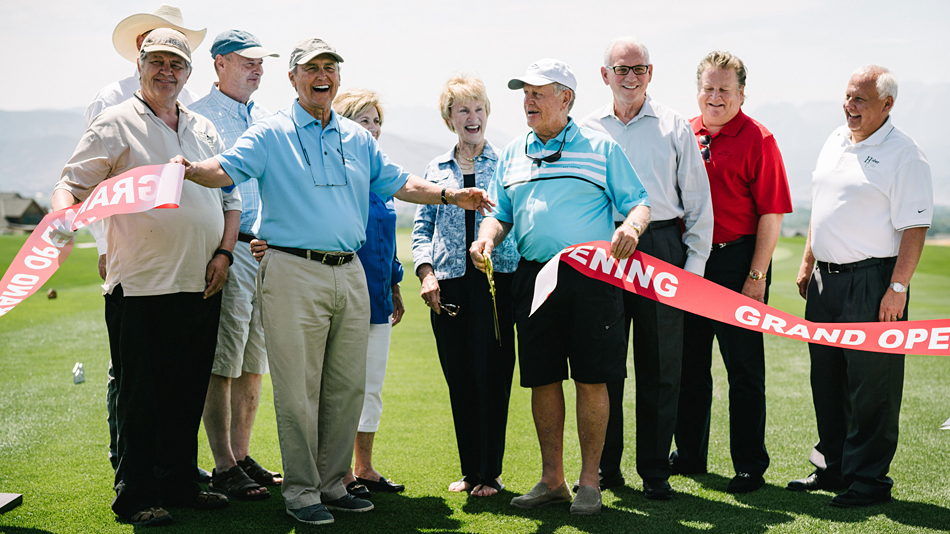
(143, 55)
(629, 41)
(560, 88)
(885, 81)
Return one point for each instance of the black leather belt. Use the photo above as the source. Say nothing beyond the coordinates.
(329, 258)
(736, 242)
(835, 268)
(245, 237)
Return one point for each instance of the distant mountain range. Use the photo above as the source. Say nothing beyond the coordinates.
(34, 145)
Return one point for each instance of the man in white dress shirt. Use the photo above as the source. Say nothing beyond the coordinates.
(662, 148)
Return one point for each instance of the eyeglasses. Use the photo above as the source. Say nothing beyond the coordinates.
(704, 141)
(623, 70)
(550, 158)
(451, 309)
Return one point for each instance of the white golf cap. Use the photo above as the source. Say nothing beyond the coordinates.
(545, 71)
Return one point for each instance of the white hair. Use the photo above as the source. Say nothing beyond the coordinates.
(885, 80)
(560, 88)
(629, 41)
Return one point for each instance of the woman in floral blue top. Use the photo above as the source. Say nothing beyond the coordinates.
(477, 366)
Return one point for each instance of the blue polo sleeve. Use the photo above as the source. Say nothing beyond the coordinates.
(496, 190)
(248, 157)
(386, 177)
(623, 185)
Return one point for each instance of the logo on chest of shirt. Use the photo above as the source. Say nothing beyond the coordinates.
(202, 136)
(870, 162)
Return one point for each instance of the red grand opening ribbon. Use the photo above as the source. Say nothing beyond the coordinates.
(657, 280)
(134, 191)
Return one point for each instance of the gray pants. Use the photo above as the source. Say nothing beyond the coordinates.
(857, 394)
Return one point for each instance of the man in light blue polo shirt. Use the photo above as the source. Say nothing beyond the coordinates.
(315, 170)
(557, 186)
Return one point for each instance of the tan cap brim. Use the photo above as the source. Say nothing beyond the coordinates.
(123, 38)
(166, 48)
(310, 55)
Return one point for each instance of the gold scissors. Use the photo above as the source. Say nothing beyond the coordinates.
(489, 272)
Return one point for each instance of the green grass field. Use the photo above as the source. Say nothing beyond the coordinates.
(53, 435)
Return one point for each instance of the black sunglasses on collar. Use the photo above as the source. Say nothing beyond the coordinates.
(550, 158)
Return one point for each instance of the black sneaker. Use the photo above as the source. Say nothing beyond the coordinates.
(349, 503)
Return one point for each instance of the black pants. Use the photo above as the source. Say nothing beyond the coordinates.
(857, 394)
(743, 354)
(657, 360)
(162, 349)
(477, 369)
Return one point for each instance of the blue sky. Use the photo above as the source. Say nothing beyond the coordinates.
(60, 53)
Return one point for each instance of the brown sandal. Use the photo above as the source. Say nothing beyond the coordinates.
(150, 517)
(258, 474)
(236, 485)
(205, 500)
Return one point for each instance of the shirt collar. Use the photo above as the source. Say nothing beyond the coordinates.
(304, 119)
(488, 153)
(876, 138)
(229, 104)
(568, 138)
(646, 110)
(730, 129)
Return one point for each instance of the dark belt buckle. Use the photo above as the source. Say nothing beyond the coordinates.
(834, 268)
(333, 259)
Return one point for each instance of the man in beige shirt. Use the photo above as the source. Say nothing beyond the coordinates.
(164, 271)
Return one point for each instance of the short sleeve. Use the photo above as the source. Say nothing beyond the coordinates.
(386, 177)
(769, 185)
(248, 157)
(623, 185)
(90, 164)
(496, 190)
(911, 194)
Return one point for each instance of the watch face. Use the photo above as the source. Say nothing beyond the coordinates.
(898, 287)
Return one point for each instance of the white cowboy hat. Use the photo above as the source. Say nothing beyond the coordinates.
(166, 16)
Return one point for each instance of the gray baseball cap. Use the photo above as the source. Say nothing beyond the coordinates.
(545, 71)
(308, 49)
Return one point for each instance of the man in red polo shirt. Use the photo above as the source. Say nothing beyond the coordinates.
(750, 196)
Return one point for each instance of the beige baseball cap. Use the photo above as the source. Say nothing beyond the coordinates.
(167, 40)
(308, 49)
(166, 16)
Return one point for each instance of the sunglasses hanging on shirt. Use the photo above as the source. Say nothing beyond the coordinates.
(550, 158)
(704, 141)
(307, 157)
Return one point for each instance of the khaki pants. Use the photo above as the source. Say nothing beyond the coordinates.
(316, 322)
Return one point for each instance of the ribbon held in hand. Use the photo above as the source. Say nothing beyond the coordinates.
(657, 280)
(134, 191)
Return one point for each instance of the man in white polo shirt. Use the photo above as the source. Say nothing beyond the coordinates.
(872, 202)
(662, 148)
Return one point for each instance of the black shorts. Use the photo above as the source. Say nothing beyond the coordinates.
(582, 322)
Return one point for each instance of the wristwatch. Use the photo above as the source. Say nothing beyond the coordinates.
(756, 275)
(635, 226)
(898, 287)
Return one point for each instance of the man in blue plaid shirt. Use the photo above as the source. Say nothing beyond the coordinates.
(240, 358)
